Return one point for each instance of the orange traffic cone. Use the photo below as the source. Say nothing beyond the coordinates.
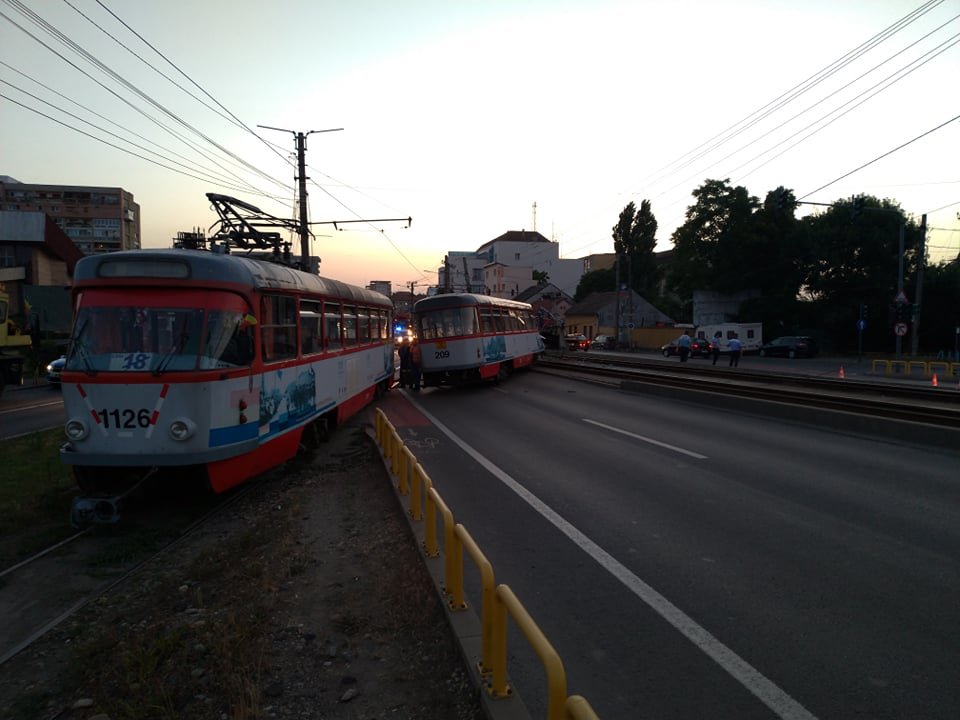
(843, 375)
(934, 382)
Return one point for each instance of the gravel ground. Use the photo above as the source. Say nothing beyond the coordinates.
(306, 598)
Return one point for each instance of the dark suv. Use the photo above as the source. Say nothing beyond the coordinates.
(790, 346)
(698, 348)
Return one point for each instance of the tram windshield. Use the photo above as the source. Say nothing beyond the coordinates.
(158, 339)
(448, 322)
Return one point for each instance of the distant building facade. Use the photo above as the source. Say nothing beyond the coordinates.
(384, 287)
(36, 269)
(465, 271)
(96, 219)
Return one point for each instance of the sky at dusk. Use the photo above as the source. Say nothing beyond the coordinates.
(476, 118)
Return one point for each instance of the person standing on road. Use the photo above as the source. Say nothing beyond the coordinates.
(683, 345)
(735, 347)
(715, 347)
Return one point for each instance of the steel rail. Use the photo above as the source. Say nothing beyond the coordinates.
(881, 400)
(228, 501)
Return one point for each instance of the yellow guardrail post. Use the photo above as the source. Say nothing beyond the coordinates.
(379, 419)
(498, 603)
(418, 475)
(506, 601)
(578, 708)
(406, 470)
(486, 598)
(395, 445)
(448, 538)
(430, 544)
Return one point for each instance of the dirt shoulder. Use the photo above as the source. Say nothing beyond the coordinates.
(306, 598)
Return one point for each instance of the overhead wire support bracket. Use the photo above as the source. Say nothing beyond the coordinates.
(335, 223)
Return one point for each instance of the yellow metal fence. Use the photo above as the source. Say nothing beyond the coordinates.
(498, 602)
(943, 369)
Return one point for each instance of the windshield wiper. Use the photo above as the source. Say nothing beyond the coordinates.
(76, 344)
(175, 349)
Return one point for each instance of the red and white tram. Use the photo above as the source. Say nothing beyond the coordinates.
(207, 361)
(465, 337)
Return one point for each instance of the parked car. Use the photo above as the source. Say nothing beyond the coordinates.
(698, 348)
(54, 369)
(790, 346)
(602, 342)
(577, 342)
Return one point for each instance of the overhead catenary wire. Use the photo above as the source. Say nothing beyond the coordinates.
(228, 114)
(781, 101)
(66, 41)
(116, 147)
(880, 157)
(211, 176)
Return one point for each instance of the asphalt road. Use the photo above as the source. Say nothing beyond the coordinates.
(30, 408)
(688, 562)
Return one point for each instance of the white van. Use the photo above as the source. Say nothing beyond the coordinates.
(750, 334)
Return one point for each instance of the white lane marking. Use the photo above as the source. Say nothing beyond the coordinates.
(645, 439)
(35, 406)
(765, 690)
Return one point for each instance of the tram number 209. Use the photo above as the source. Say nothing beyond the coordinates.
(124, 419)
(441, 354)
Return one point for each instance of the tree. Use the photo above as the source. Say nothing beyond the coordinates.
(851, 261)
(595, 281)
(940, 308)
(714, 242)
(635, 239)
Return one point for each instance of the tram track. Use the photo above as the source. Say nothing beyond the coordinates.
(881, 401)
(42, 566)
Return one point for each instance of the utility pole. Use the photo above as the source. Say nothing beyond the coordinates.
(921, 261)
(304, 230)
(616, 308)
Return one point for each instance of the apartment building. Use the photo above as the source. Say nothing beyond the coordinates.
(96, 219)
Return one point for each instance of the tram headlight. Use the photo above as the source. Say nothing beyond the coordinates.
(182, 429)
(75, 429)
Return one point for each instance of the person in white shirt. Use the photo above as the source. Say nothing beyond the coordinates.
(735, 347)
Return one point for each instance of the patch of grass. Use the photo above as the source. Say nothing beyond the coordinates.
(32, 479)
(35, 493)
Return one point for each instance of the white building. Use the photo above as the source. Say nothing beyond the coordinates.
(520, 249)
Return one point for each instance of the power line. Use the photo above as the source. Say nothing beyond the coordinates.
(65, 40)
(117, 147)
(880, 157)
(236, 120)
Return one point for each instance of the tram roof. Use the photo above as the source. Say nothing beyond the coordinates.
(205, 266)
(438, 302)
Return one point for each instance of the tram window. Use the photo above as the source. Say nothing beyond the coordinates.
(310, 327)
(499, 320)
(486, 320)
(427, 329)
(332, 326)
(363, 326)
(349, 325)
(278, 330)
(229, 340)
